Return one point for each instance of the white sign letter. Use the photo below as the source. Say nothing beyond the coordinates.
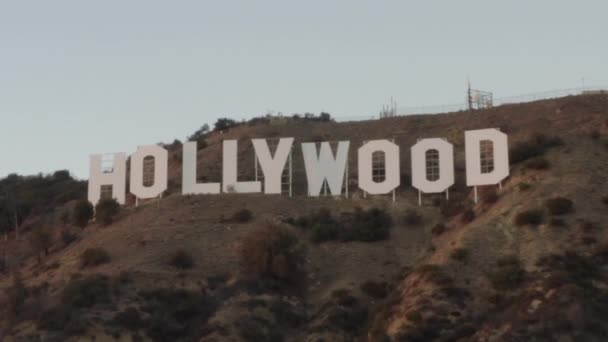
(439, 154)
(230, 171)
(272, 167)
(189, 184)
(495, 159)
(114, 176)
(391, 166)
(325, 167)
(160, 155)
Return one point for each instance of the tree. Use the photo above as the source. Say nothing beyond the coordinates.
(41, 241)
(272, 251)
(325, 117)
(106, 210)
(82, 213)
(17, 294)
(224, 123)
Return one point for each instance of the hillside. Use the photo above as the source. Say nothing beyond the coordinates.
(528, 262)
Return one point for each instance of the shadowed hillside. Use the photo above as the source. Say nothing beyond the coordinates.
(526, 263)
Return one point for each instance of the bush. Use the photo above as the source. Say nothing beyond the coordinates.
(181, 259)
(361, 225)
(559, 206)
(586, 226)
(414, 316)
(67, 237)
(507, 274)
(242, 216)
(92, 257)
(438, 229)
(17, 294)
(367, 225)
(223, 124)
(459, 254)
(375, 289)
(176, 314)
(467, 216)
(523, 186)
(87, 292)
(412, 217)
(322, 232)
(129, 319)
(490, 197)
(537, 164)
(531, 217)
(41, 241)
(588, 240)
(271, 252)
(82, 213)
(106, 211)
(555, 222)
(533, 147)
(451, 208)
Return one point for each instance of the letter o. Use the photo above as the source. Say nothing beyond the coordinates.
(391, 160)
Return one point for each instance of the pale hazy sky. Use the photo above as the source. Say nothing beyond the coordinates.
(80, 77)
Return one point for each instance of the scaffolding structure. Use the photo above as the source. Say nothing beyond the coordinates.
(479, 99)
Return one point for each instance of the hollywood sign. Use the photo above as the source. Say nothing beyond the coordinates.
(322, 166)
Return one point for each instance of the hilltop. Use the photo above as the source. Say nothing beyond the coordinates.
(528, 262)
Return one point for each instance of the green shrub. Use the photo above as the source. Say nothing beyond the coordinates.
(322, 216)
(361, 225)
(82, 213)
(92, 257)
(533, 147)
(529, 217)
(41, 241)
(588, 240)
(87, 292)
(451, 208)
(68, 237)
(367, 225)
(374, 289)
(559, 206)
(585, 225)
(508, 274)
(537, 164)
(16, 296)
(490, 197)
(435, 274)
(130, 319)
(176, 314)
(459, 254)
(271, 252)
(322, 232)
(242, 216)
(223, 124)
(106, 211)
(412, 217)
(414, 316)
(181, 259)
(467, 216)
(438, 229)
(523, 186)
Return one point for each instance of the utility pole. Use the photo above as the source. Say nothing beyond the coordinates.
(469, 97)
